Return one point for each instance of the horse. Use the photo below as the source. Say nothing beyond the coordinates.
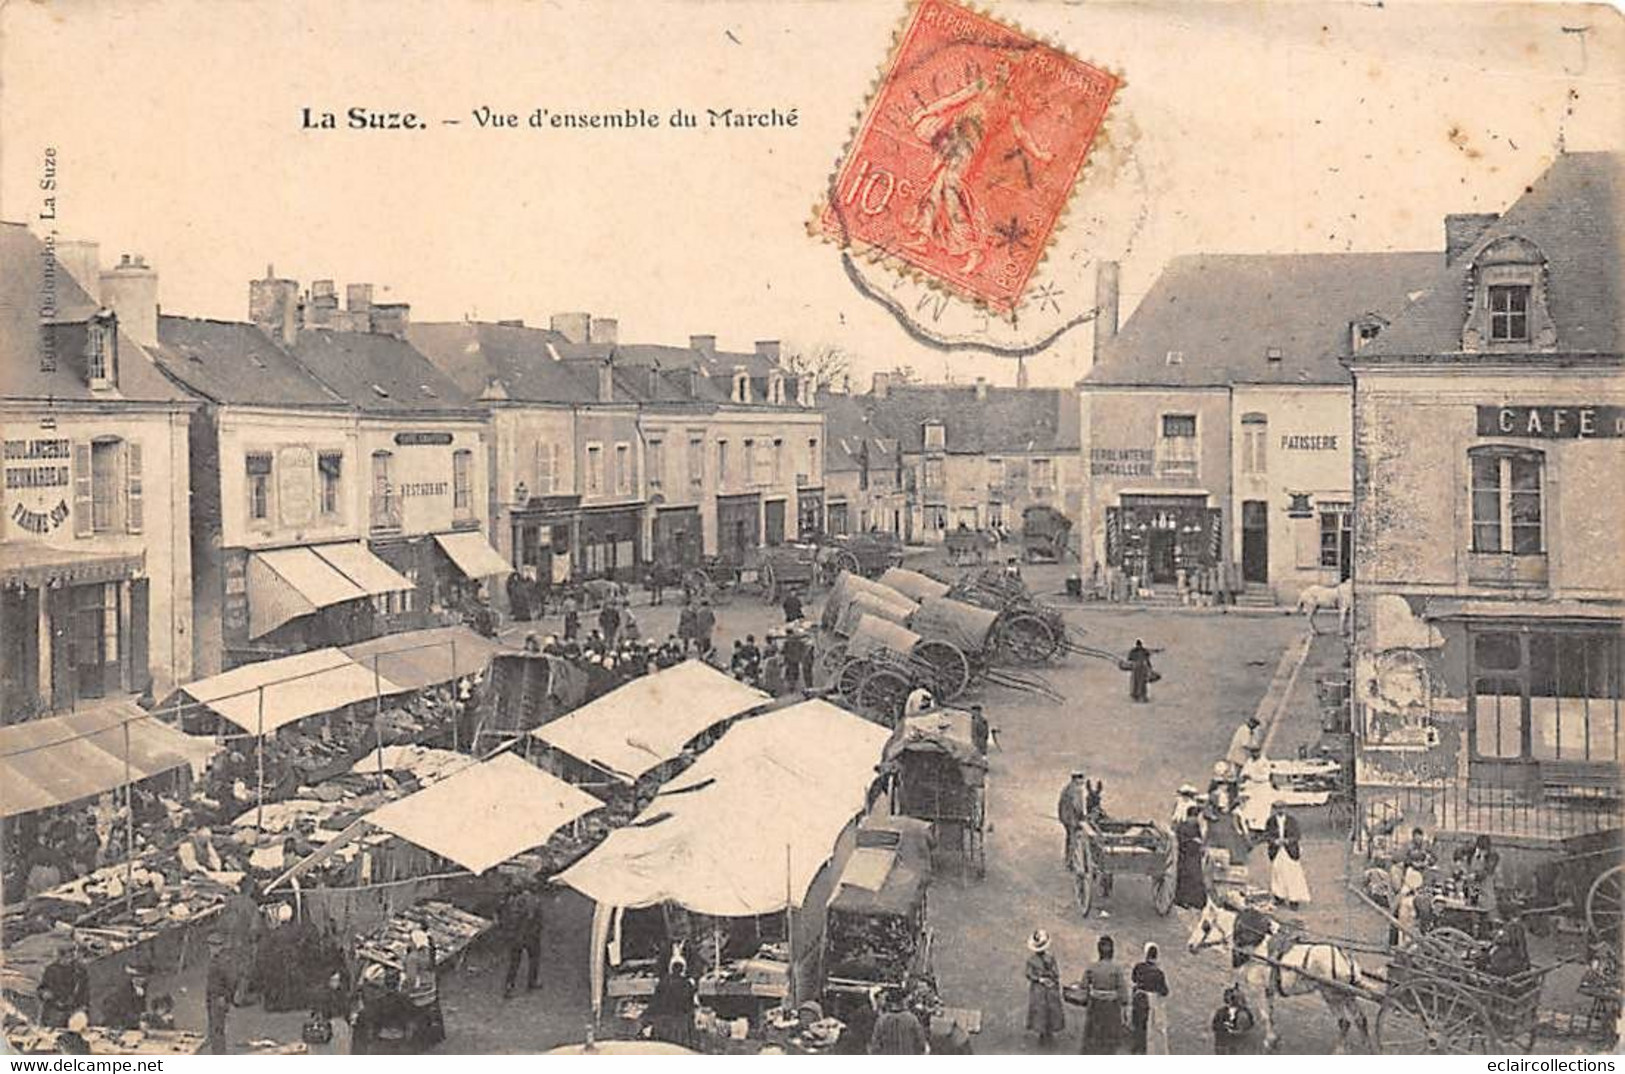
(1303, 967)
(1315, 597)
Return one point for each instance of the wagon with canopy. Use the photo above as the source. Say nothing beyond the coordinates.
(878, 931)
(865, 554)
(1045, 533)
(1030, 631)
(783, 569)
(938, 773)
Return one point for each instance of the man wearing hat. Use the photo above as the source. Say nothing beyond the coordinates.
(1045, 1014)
(125, 1008)
(64, 987)
(1185, 797)
(1247, 744)
(1072, 808)
(897, 1031)
(220, 988)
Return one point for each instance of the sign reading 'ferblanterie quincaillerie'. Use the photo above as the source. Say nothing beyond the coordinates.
(1547, 422)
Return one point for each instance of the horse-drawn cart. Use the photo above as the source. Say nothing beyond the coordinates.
(864, 554)
(965, 545)
(784, 569)
(1045, 533)
(715, 580)
(938, 774)
(1105, 847)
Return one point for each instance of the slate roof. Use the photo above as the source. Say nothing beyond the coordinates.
(473, 353)
(1573, 213)
(1008, 420)
(22, 285)
(232, 362)
(377, 373)
(1223, 312)
(847, 431)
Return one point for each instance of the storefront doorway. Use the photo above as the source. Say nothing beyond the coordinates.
(773, 522)
(1255, 541)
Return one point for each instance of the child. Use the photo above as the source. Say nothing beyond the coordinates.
(1232, 1023)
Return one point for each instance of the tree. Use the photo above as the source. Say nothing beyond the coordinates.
(826, 364)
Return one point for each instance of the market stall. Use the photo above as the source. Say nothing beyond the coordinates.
(784, 786)
(260, 698)
(431, 657)
(878, 932)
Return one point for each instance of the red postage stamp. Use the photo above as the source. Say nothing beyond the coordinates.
(971, 146)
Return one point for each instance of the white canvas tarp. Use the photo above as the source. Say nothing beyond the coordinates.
(745, 830)
(295, 687)
(487, 813)
(632, 729)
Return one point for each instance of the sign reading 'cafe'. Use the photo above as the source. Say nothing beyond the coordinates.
(1553, 422)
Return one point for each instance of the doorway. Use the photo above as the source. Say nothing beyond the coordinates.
(1160, 555)
(1255, 541)
(773, 521)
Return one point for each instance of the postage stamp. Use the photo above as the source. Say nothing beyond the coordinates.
(972, 144)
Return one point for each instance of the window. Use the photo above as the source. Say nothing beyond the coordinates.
(931, 474)
(722, 464)
(330, 467)
(936, 517)
(595, 468)
(462, 482)
(1365, 332)
(1336, 531)
(1546, 695)
(995, 514)
(696, 461)
(936, 436)
(995, 473)
(386, 505)
(1506, 495)
(545, 468)
(1509, 313)
(1255, 438)
(778, 461)
(259, 485)
(623, 469)
(1043, 474)
(105, 481)
(655, 463)
(814, 461)
(750, 462)
(1176, 448)
(99, 353)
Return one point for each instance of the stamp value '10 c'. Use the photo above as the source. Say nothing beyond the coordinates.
(970, 148)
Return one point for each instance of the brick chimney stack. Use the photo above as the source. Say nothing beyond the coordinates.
(575, 327)
(603, 330)
(273, 305)
(130, 290)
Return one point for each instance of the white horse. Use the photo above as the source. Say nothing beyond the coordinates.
(1301, 969)
(1313, 598)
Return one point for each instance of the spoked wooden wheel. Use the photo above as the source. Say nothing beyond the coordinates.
(1429, 1016)
(882, 693)
(950, 668)
(1603, 903)
(1027, 639)
(846, 561)
(770, 588)
(830, 663)
(850, 679)
(1084, 879)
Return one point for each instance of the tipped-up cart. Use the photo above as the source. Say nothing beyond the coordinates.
(938, 773)
(1045, 533)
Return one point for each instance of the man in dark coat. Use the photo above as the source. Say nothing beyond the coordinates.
(609, 621)
(1071, 809)
(220, 988)
(1139, 671)
(521, 922)
(64, 987)
(125, 1008)
(705, 623)
(792, 607)
(897, 1031)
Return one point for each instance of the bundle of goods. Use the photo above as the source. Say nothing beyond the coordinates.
(871, 947)
(450, 930)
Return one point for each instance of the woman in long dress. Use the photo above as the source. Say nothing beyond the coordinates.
(1189, 889)
(1104, 1018)
(1288, 884)
(1045, 1015)
(1150, 1017)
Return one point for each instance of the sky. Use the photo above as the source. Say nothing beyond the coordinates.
(1256, 127)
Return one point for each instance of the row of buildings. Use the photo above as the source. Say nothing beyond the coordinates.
(1447, 429)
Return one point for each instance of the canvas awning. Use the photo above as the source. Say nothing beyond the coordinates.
(60, 759)
(419, 658)
(353, 560)
(645, 723)
(294, 687)
(485, 814)
(746, 829)
(286, 583)
(473, 554)
(34, 566)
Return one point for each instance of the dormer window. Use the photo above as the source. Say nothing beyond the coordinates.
(1176, 358)
(1509, 313)
(936, 436)
(101, 351)
(741, 393)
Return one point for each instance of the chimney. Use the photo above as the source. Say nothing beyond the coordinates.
(131, 292)
(391, 318)
(324, 302)
(575, 327)
(358, 297)
(273, 305)
(1461, 230)
(82, 260)
(1021, 371)
(604, 330)
(706, 345)
(606, 382)
(882, 386)
(1106, 288)
(981, 389)
(768, 348)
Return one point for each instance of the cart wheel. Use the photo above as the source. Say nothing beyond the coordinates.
(1027, 639)
(1083, 876)
(1340, 814)
(882, 694)
(1603, 903)
(846, 560)
(850, 679)
(1162, 884)
(949, 667)
(698, 581)
(1432, 1016)
(770, 587)
(979, 834)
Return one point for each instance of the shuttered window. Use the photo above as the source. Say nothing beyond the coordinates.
(82, 522)
(134, 514)
(104, 485)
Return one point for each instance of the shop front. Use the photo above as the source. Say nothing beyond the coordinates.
(809, 514)
(678, 540)
(611, 545)
(544, 534)
(1156, 536)
(739, 523)
(73, 626)
(290, 600)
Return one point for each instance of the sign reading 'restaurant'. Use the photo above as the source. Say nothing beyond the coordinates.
(1552, 422)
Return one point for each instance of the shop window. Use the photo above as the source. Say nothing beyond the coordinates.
(330, 466)
(1255, 438)
(936, 517)
(258, 467)
(995, 515)
(462, 482)
(1176, 447)
(1509, 313)
(1507, 500)
(1547, 695)
(595, 469)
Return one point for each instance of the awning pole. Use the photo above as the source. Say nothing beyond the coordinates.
(378, 717)
(129, 826)
(790, 924)
(456, 696)
(259, 816)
